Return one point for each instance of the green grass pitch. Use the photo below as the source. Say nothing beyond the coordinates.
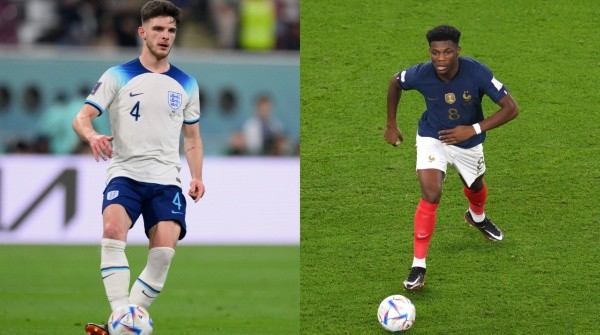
(219, 290)
(358, 194)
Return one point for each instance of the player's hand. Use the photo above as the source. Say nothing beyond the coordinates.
(100, 145)
(457, 134)
(393, 136)
(196, 189)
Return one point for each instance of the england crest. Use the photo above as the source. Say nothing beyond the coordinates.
(175, 100)
(111, 195)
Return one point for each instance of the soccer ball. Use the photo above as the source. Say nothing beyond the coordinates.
(130, 319)
(396, 313)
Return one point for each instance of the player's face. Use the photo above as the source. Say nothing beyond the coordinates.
(444, 56)
(159, 34)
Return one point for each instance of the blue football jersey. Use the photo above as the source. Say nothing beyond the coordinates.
(457, 102)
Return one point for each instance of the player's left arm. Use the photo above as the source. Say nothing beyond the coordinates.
(508, 111)
(192, 144)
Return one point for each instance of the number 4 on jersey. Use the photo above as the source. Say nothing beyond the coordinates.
(135, 111)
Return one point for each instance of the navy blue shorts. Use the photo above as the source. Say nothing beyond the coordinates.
(154, 202)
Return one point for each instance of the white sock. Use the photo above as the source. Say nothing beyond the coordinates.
(152, 279)
(115, 272)
(477, 217)
(420, 262)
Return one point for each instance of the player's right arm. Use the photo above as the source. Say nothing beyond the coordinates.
(82, 124)
(392, 134)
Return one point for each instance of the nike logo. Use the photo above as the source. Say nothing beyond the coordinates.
(431, 99)
(146, 294)
(174, 212)
(414, 281)
(497, 237)
(108, 275)
(131, 94)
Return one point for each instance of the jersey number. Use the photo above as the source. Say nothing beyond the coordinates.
(453, 114)
(135, 111)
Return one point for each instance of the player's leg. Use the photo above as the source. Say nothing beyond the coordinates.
(120, 208)
(168, 210)
(431, 181)
(431, 167)
(475, 215)
(163, 239)
(470, 164)
(114, 265)
(476, 194)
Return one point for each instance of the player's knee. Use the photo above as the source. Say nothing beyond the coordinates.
(164, 234)
(115, 230)
(432, 197)
(477, 185)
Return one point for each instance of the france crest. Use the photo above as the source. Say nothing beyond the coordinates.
(175, 100)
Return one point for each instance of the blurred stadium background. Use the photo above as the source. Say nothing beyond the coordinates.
(53, 51)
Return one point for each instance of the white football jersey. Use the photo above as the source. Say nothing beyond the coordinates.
(147, 111)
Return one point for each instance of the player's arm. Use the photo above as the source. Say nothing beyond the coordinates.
(192, 144)
(392, 134)
(508, 111)
(82, 124)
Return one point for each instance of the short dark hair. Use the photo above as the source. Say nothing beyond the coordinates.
(443, 33)
(156, 8)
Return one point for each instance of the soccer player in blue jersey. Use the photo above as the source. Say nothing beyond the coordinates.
(451, 132)
(149, 102)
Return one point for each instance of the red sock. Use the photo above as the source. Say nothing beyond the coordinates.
(424, 225)
(477, 200)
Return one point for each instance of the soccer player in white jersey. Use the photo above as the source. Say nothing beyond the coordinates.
(149, 102)
(451, 132)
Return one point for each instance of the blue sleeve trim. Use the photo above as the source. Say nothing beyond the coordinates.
(95, 105)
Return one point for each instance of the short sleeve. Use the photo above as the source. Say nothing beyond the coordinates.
(191, 114)
(491, 86)
(407, 77)
(104, 91)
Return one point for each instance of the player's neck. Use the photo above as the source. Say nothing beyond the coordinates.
(447, 77)
(154, 64)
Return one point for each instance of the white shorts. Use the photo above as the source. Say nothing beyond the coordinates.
(433, 154)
